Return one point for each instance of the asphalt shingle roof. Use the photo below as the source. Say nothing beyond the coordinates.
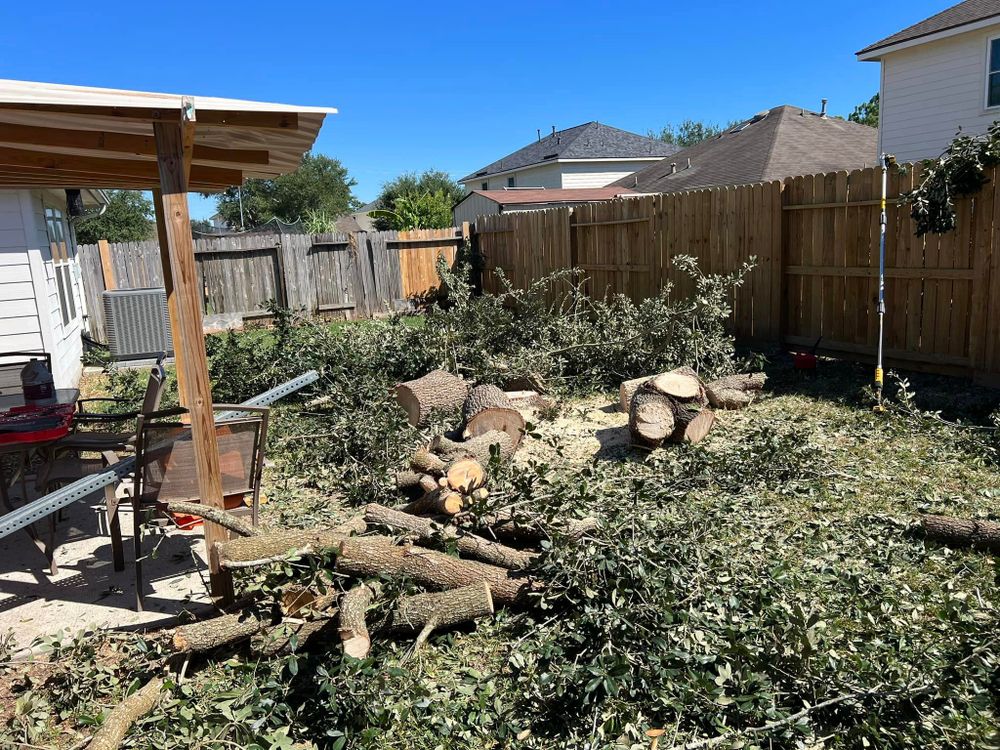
(969, 11)
(781, 142)
(592, 140)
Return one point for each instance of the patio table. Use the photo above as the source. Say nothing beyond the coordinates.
(26, 430)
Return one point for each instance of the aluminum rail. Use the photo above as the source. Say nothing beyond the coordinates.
(43, 506)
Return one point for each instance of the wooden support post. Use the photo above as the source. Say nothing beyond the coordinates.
(173, 157)
(107, 267)
(168, 285)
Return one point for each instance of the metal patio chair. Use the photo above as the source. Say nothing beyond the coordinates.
(11, 364)
(165, 467)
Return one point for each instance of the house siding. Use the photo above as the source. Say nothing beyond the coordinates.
(30, 313)
(930, 91)
(472, 207)
(598, 174)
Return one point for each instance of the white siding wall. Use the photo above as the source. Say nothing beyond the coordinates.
(19, 326)
(932, 89)
(598, 174)
(30, 314)
(473, 206)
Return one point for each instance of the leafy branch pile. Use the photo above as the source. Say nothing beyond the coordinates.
(763, 588)
(959, 171)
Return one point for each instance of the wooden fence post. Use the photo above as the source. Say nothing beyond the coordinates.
(107, 267)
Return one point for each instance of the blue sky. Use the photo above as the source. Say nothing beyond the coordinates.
(455, 85)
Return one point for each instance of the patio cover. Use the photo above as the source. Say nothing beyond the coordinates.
(77, 137)
(83, 137)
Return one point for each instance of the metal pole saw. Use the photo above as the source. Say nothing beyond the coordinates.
(886, 160)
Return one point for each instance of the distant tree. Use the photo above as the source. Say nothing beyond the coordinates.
(413, 201)
(689, 132)
(320, 184)
(128, 218)
(866, 113)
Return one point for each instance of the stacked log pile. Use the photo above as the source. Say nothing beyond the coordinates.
(675, 406)
(445, 478)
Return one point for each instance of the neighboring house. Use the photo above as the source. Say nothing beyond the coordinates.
(780, 142)
(939, 76)
(41, 296)
(587, 156)
(218, 223)
(487, 202)
(358, 221)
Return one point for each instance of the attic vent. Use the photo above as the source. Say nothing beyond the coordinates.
(480, 174)
(756, 118)
(138, 323)
(550, 156)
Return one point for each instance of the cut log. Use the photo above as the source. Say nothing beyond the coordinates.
(680, 384)
(278, 545)
(477, 447)
(465, 475)
(117, 723)
(365, 557)
(427, 483)
(627, 390)
(963, 532)
(438, 503)
(408, 483)
(530, 381)
(486, 409)
(425, 462)
(652, 417)
(693, 430)
(279, 639)
(217, 516)
(436, 391)
(445, 609)
(735, 391)
(218, 631)
(526, 529)
(466, 543)
(528, 400)
(353, 630)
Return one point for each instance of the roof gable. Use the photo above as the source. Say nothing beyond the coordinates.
(954, 17)
(778, 143)
(592, 140)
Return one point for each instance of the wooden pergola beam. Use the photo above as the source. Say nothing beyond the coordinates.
(228, 118)
(66, 164)
(112, 142)
(174, 226)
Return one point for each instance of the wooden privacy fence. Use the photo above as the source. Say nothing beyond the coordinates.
(816, 243)
(358, 275)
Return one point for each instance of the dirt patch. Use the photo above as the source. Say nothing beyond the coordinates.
(584, 431)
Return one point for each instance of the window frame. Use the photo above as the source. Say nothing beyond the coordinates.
(989, 73)
(63, 261)
(511, 181)
(485, 186)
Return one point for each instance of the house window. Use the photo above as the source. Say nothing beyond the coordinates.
(993, 75)
(486, 186)
(62, 262)
(510, 182)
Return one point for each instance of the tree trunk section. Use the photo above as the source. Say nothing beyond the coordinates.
(652, 417)
(218, 631)
(486, 409)
(526, 530)
(694, 427)
(436, 391)
(735, 391)
(627, 390)
(278, 639)
(425, 462)
(299, 600)
(465, 475)
(682, 384)
(467, 544)
(253, 551)
(353, 629)
(112, 732)
(962, 532)
(441, 502)
(441, 610)
(365, 557)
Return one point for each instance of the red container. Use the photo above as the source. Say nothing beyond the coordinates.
(804, 361)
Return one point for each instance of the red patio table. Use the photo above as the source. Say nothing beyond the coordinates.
(26, 429)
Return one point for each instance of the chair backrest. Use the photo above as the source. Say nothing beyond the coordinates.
(154, 388)
(11, 364)
(165, 458)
